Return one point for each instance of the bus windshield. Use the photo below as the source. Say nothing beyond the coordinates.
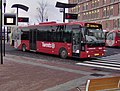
(118, 34)
(94, 35)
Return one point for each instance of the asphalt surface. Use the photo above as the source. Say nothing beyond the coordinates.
(20, 73)
(28, 71)
(12, 51)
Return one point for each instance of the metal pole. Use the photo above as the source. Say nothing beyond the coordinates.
(63, 14)
(17, 16)
(1, 45)
(1, 41)
(7, 34)
(4, 28)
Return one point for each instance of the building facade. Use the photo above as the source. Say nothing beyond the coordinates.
(105, 12)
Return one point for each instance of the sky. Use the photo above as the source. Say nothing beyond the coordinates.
(53, 12)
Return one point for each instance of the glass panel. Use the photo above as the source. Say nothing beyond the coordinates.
(94, 35)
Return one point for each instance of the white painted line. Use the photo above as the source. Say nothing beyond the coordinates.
(92, 65)
(102, 63)
(110, 62)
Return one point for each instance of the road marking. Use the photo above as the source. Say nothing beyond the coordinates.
(105, 64)
(107, 61)
(96, 65)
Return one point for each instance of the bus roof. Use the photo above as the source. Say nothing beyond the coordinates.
(114, 31)
(54, 24)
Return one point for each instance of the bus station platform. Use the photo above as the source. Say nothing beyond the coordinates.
(30, 74)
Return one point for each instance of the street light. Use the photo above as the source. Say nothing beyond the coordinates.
(1, 38)
(21, 7)
(63, 6)
(4, 4)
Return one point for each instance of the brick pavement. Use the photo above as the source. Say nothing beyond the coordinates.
(26, 74)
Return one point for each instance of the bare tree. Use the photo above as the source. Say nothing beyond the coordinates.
(42, 11)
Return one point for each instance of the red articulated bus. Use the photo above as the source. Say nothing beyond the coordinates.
(75, 39)
(113, 38)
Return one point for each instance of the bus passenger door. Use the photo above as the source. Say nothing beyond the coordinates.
(76, 43)
(32, 39)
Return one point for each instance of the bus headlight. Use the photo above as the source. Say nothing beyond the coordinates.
(88, 55)
(104, 50)
(100, 48)
(87, 51)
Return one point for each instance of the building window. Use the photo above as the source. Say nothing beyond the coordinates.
(118, 23)
(95, 14)
(111, 10)
(78, 15)
(107, 24)
(104, 2)
(98, 13)
(79, 0)
(93, 4)
(79, 8)
(119, 8)
(104, 12)
(114, 24)
(85, 6)
(83, 16)
(92, 14)
(74, 1)
(74, 9)
(98, 3)
(89, 14)
(112, 1)
(108, 10)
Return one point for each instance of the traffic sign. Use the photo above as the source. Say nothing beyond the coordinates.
(9, 19)
(23, 19)
(71, 16)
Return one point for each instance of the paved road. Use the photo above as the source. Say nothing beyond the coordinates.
(109, 61)
(9, 49)
(30, 74)
(112, 62)
(28, 71)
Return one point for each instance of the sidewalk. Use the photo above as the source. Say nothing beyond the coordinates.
(29, 74)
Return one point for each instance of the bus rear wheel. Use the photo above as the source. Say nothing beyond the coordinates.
(23, 48)
(63, 53)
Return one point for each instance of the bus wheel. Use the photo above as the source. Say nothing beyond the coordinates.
(63, 53)
(23, 48)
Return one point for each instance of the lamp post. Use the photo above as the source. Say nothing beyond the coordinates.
(1, 38)
(4, 4)
(21, 7)
(64, 6)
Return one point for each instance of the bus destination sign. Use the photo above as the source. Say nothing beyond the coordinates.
(92, 25)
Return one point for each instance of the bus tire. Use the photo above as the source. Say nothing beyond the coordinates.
(23, 47)
(63, 53)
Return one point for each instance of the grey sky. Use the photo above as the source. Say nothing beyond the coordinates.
(53, 12)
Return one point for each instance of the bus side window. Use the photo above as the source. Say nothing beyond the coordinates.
(59, 33)
(67, 36)
(118, 34)
(25, 35)
(41, 34)
(110, 36)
